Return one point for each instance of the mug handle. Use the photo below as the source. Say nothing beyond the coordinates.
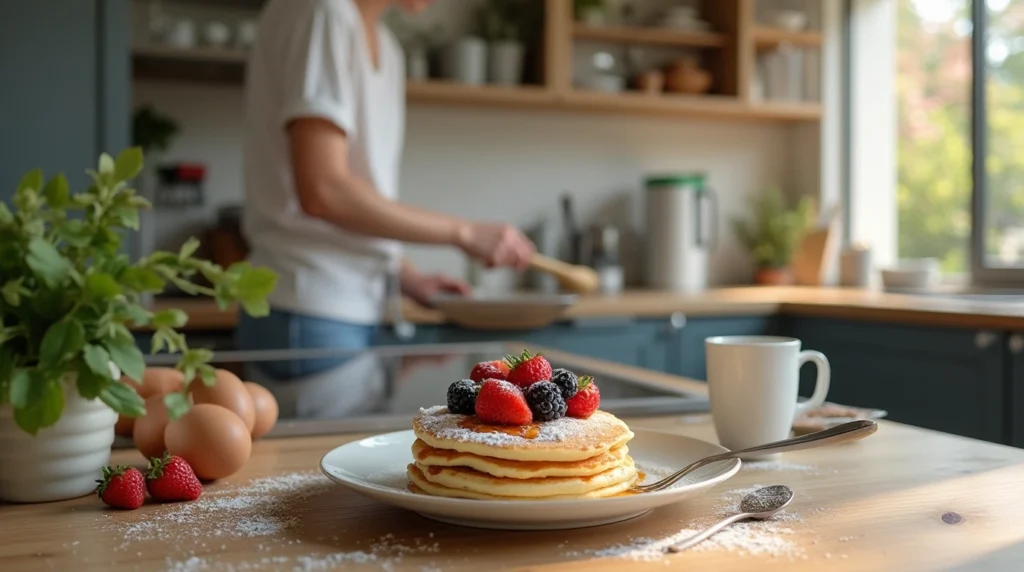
(820, 385)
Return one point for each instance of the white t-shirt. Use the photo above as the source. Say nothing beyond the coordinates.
(312, 59)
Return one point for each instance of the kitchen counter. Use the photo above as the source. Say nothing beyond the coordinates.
(902, 499)
(749, 301)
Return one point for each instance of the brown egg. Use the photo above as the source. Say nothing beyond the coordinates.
(148, 433)
(155, 381)
(266, 409)
(212, 439)
(229, 392)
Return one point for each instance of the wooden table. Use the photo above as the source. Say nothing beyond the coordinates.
(903, 499)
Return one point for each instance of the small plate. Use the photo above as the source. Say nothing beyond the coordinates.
(375, 467)
(520, 311)
(832, 414)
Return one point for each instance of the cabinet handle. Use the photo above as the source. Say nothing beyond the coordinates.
(984, 339)
(1016, 343)
(676, 322)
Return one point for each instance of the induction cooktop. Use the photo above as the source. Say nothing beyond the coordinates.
(381, 389)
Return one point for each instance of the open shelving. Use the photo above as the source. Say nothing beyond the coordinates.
(730, 52)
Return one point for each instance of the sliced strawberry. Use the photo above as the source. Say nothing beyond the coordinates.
(501, 403)
(496, 369)
(586, 401)
(528, 369)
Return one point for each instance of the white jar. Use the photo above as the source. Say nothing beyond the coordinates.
(60, 462)
(466, 61)
(506, 65)
(682, 224)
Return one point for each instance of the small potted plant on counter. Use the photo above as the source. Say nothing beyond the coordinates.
(773, 235)
(68, 296)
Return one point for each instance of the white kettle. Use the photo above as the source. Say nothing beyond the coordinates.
(682, 228)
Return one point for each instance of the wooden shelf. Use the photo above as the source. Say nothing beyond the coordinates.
(450, 93)
(702, 106)
(650, 36)
(769, 38)
(199, 54)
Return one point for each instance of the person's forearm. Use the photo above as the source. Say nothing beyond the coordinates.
(356, 207)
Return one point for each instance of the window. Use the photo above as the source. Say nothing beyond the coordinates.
(960, 96)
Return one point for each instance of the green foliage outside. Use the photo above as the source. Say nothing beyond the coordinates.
(934, 165)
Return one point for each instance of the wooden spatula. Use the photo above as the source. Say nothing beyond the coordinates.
(579, 279)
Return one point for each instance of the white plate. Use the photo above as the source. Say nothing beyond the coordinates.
(375, 467)
(519, 311)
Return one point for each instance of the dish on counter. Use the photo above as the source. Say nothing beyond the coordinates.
(832, 414)
(513, 311)
(519, 446)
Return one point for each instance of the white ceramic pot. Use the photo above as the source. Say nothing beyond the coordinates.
(62, 461)
(417, 65)
(506, 65)
(466, 61)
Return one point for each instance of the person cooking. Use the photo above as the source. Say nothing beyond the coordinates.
(325, 117)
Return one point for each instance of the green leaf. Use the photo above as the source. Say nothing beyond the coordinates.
(123, 399)
(252, 289)
(189, 248)
(102, 286)
(33, 180)
(90, 385)
(177, 405)
(126, 217)
(75, 232)
(61, 339)
(47, 263)
(11, 292)
(6, 216)
(25, 387)
(142, 280)
(106, 165)
(43, 411)
(139, 202)
(6, 374)
(208, 374)
(128, 164)
(158, 342)
(57, 192)
(97, 359)
(127, 356)
(172, 318)
(138, 315)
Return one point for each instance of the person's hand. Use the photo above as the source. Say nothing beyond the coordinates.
(423, 287)
(496, 244)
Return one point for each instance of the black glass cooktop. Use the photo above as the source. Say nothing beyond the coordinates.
(330, 391)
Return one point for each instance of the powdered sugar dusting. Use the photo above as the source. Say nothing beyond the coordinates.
(780, 466)
(444, 425)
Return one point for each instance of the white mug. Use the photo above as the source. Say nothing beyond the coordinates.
(753, 383)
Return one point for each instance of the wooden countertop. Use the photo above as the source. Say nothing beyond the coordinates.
(824, 302)
(902, 499)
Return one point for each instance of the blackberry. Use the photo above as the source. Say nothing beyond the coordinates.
(566, 381)
(462, 397)
(545, 401)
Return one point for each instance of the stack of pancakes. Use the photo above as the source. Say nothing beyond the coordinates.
(456, 456)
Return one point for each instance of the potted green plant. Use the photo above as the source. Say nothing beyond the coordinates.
(590, 12)
(773, 235)
(505, 24)
(68, 297)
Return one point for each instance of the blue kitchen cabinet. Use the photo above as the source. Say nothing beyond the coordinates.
(946, 379)
(1015, 386)
(66, 96)
(688, 358)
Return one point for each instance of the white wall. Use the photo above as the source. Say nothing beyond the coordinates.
(507, 164)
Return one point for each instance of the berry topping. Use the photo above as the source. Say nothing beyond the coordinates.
(122, 487)
(170, 479)
(462, 397)
(501, 403)
(586, 401)
(527, 369)
(545, 400)
(484, 370)
(566, 381)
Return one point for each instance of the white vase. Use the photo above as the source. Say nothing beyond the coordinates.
(506, 65)
(62, 461)
(466, 61)
(417, 65)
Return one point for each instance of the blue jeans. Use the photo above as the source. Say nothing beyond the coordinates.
(283, 330)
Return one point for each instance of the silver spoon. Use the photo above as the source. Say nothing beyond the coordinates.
(844, 433)
(761, 504)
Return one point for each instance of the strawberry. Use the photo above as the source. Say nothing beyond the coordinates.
(586, 401)
(170, 478)
(527, 369)
(122, 487)
(501, 403)
(496, 369)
